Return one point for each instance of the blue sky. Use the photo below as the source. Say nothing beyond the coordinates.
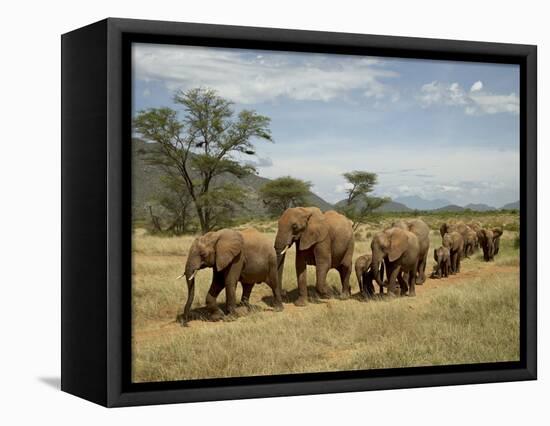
(436, 129)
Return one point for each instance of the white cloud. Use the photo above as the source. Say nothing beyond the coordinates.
(473, 175)
(476, 87)
(252, 78)
(475, 102)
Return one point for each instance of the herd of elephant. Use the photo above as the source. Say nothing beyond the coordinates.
(326, 240)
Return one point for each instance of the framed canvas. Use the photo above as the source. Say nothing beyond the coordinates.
(256, 212)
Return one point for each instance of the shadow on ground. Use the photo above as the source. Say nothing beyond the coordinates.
(53, 382)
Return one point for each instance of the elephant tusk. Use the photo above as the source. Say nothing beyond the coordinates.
(181, 276)
(284, 250)
(192, 275)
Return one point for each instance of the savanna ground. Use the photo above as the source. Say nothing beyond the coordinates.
(472, 317)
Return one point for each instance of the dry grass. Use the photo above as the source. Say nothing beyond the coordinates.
(472, 317)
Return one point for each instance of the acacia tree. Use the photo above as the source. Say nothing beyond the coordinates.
(284, 192)
(359, 205)
(201, 146)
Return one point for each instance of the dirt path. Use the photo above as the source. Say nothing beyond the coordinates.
(166, 329)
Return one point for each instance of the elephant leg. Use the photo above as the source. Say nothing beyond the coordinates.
(368, 286)
(211, 305)
(345, 272)
(458, 257)
(421, 278)
(402, 283)
(321, 271)
(453, 263)
(245, 298)
(359, 276)
(392, 277)
(231, 278)
(412, 284)
(276, 289)
(382, 268)
(301, 273)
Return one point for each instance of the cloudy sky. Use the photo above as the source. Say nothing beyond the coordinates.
(436, 129)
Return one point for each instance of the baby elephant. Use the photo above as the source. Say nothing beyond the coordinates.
(442, 267)
(365, 275)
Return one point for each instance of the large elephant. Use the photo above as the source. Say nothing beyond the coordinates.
(322, 239)
(247, 256)
(399, 250)
(365, 275)
(422, 232)
(442, 267)
(455, 243)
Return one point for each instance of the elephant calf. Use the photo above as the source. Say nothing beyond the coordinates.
(247, 256)
(365, 275)
(442, 267)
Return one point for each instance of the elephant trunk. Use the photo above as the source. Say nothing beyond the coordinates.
(376, 266)
(192, 266)
(190, 296)
(282, 244)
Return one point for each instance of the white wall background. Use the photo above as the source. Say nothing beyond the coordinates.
(30, 210)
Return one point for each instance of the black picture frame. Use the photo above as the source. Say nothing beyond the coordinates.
(96, 234)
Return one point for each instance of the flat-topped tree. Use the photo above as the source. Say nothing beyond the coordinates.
(359, 204)
(283, 193)
(201, 146)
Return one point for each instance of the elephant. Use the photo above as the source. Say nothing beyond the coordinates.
(365, 275)
(322, 239)
(442, 267)
(470, 242)
(246, 256)
(489, 240)
(399, 250)
(475, 226)
(455, 243)
(422, 232)
(497, 233)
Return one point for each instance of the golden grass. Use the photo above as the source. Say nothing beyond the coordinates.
(470, 318)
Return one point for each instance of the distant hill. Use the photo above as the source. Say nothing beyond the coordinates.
(450, 208)
(147, 185)
(511, 206)
(479, 207)
(415, 202)
(393, 206)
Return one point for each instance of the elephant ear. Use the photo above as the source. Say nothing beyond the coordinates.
(228, 246)
(398, 244)
(316, 229)
(497, 232)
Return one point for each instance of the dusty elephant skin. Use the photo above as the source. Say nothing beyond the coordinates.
(246, 256)
(322, 239)
(399, 249)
